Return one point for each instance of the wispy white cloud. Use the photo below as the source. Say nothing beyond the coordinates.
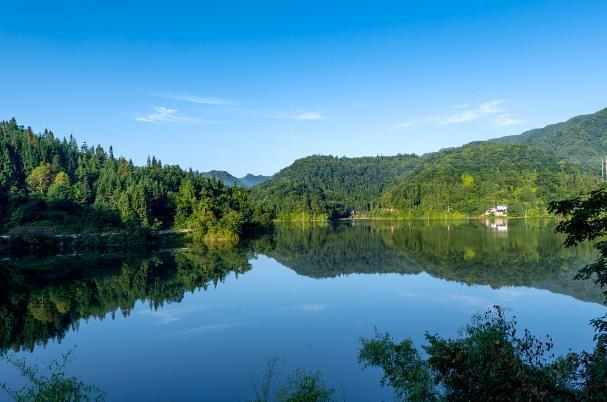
(466, 113)
(303, 115)
(312, 308)
(507, 119)
(168, 315)
(201, 100)
(219, 327)
(485, 108)
(163, 114)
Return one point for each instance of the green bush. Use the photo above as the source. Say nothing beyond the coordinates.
(489, 361)
(51, 384)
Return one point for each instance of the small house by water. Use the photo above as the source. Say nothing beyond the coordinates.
(500, 210)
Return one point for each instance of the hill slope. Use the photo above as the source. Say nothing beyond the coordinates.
(525, 171)
(470, 179)
(581, 140)
(330, 186)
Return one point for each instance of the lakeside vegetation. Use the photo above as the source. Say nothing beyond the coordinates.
(55, 185)
(467, 181)
(52, 186)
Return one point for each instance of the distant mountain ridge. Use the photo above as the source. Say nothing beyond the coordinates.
(248, 181)
(581, 140)
(526, 171)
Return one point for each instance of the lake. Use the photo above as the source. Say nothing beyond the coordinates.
(198, 324)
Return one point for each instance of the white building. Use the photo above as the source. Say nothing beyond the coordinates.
(499, 210)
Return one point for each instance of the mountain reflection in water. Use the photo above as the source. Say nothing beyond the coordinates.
(43, 299)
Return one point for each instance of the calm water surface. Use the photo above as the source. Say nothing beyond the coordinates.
(197, 324)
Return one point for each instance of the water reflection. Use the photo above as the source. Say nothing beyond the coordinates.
(497, 224)
(43, 299)
(528, 254)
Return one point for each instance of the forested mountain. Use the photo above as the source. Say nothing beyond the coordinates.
(581, 140)
(247, 181)
(331, 187)
(44, 180)
(524, 171)
(473, 178)
(56, 183)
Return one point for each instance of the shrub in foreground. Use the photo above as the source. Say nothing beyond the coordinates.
(490, 360)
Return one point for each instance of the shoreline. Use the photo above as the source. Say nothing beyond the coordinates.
(377, 218)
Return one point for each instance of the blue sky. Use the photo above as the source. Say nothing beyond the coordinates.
(251, 86)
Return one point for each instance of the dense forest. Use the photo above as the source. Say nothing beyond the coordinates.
(467, 181)
(525, 172)
(331, 187)
(57, 184)
(581, 140)
(48, 182)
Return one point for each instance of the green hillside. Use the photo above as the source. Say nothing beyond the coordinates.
(327, 186)
(473, 178)
(581, 140)
(523, 171)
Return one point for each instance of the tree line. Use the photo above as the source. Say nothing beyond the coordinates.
(55, 182)
(327, 187)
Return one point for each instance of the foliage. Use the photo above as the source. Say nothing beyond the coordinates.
(299, 386)
(586, 219)
(525, 172)
(262, 385)
(579, 140)
(471, 179)
(304, 386)
(52, 385)
(489, 361)
(51, 182)
(403, 367)
(331, 187)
